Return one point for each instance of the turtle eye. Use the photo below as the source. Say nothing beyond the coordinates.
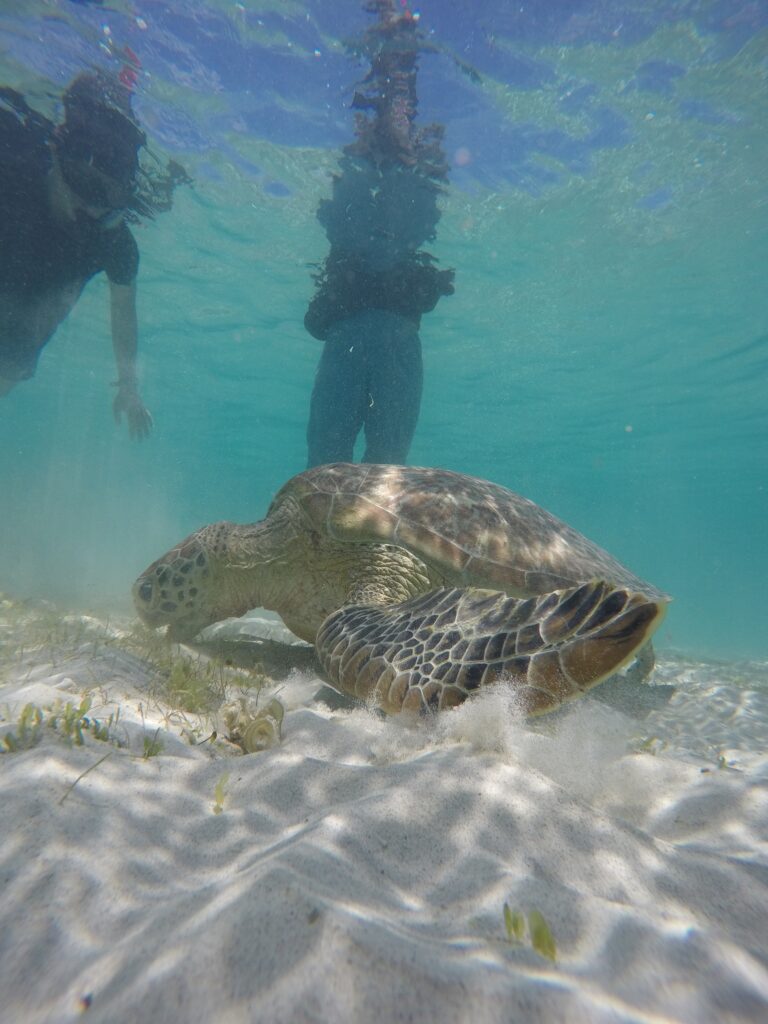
(144, 591)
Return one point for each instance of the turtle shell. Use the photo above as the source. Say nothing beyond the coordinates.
(473, 532)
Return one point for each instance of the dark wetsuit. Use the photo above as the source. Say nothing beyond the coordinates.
(370, 376)
(370, 373)
(44, 262)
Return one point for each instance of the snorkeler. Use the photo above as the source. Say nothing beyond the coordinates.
(376, 283)
(66, 192)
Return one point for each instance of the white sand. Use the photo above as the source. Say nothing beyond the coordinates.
(358, 871)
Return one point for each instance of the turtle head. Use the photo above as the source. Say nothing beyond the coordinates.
(178, 590)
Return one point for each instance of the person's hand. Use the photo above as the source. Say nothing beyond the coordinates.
(127, 402)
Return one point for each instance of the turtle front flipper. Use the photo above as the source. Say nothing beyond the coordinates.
(434, 651)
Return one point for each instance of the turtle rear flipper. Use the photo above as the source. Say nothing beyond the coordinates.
(433, 651)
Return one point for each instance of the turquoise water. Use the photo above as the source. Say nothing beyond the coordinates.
(605, 353)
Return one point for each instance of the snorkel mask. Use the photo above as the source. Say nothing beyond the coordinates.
(98, 145)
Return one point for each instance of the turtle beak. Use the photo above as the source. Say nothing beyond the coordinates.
(143, 592)
(143, 599)
(180, 629)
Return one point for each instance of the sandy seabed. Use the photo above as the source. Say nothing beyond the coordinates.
(358, 870)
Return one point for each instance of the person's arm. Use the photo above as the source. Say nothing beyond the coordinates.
(125, 344)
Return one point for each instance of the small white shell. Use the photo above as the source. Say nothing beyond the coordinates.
(254, 732)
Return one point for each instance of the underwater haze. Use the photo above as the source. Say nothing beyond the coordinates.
(606, 349)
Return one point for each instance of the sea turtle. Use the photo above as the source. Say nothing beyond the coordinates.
(417, 586)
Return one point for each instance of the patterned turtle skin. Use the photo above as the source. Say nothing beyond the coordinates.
(417, 586)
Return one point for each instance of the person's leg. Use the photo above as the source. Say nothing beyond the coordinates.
(13, 350)
(26, 326)
(337, 407)
(394, 379)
